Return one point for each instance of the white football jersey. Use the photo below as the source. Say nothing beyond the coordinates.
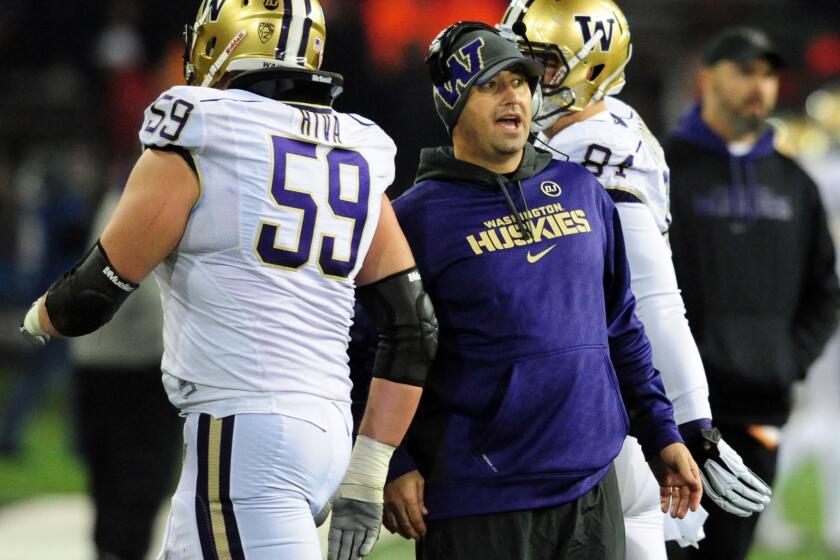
(258, 295)
(617, 147)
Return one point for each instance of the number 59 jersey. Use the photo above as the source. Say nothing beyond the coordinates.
(258, 295)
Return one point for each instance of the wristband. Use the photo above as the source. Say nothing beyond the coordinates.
(367, 471)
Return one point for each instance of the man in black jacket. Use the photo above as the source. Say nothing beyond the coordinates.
(753, 257)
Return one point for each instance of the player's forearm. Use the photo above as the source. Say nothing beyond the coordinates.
(390, 408)
(660, 308)
(676, 356)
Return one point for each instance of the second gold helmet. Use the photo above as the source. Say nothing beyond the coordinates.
(589, 40)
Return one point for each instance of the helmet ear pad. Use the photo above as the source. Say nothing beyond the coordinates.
(536, 100)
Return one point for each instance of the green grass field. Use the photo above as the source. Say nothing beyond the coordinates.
(48, 465)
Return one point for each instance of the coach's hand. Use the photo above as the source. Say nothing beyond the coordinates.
(679, 480)
(357, 512)
(404, 508)
(727, 480)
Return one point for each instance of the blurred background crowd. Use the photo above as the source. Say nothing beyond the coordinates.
(77, 76)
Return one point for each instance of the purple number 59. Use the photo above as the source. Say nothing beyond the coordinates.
(179, 113)
(357, 210)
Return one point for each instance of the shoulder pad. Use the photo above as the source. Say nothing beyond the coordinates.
(607, 131)
(367, 135)
(174, 119)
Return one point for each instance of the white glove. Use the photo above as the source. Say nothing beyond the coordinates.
(31, 327)
(354, 529)
(727, 481)
(357, 512)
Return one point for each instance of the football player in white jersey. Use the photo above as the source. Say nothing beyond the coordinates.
(260, 209)
(585, 45)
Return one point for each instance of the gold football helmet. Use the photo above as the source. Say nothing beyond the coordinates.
(585, 45)
(235, 35)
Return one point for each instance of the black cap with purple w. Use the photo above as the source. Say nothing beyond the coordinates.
(469, 53)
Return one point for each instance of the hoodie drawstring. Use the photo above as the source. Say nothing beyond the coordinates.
(527, 210)
(526, 232)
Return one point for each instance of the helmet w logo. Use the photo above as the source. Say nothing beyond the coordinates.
(214, 7)
(604, 26)
(464, 64)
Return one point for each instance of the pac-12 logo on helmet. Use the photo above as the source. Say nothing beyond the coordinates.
(234, 35)
(265, 30)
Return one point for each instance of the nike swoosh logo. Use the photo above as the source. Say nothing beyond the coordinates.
(534, 258)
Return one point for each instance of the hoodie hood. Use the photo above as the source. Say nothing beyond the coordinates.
(441, 164)
(692, 128)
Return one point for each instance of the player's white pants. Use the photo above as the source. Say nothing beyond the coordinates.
(639, 493)
(251, 484)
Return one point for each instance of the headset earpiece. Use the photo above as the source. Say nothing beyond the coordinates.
(438, 69)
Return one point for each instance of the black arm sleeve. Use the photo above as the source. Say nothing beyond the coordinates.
(405, 318)
(87, 296)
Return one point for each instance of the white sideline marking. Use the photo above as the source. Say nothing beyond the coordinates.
(59, 527)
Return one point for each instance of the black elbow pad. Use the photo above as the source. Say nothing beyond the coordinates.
(87, 296)
(408, 329)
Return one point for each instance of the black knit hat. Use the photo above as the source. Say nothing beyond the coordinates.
(468, 54)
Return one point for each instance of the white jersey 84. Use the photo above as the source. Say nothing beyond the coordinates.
(617, 147)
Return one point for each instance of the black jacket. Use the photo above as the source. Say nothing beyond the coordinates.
(755, 262)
